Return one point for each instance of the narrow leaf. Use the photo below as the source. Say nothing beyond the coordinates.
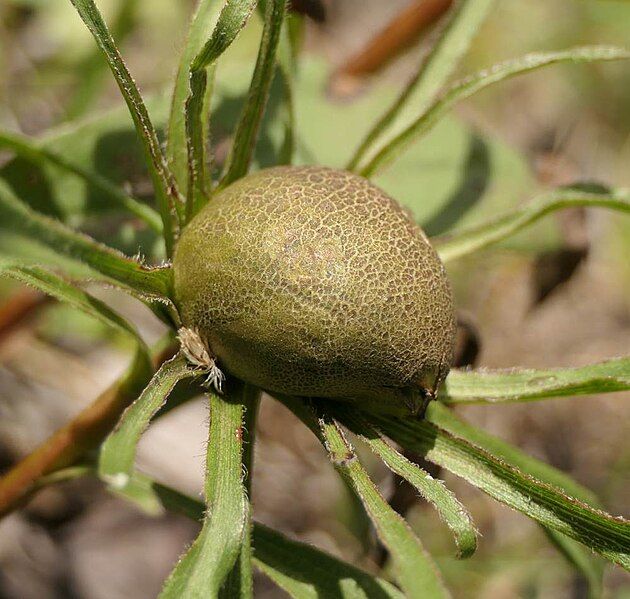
(415, 570)
(470, 85)
(470, 240)
(232, 19)
(67, 242)
(197, 130)
(202, 571)
(587, 564)
(251, 116)
(40, 156)
(450, 510)
(302, 570)
(287, 63)
(447, 420)
(203, 23)
(164, 184)
(91, 69)
(548, 505)
(515, 385)
(116, 458)
(64, 291)
(454, 40)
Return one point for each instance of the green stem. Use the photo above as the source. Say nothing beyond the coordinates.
(239, 582)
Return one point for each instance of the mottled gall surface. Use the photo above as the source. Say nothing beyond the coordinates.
(312, 281)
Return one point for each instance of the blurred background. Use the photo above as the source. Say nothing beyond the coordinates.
(555, 295)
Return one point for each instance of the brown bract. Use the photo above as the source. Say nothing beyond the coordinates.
(312, 281)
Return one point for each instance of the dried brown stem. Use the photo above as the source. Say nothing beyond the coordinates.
(18, 310)
(71, 442)
(399, 34)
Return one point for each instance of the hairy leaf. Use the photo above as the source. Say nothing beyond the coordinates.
(163, 181)
(287, 63)
(470, 240)
(91, 69)
(64, 291)
(246, 133)
(302, 570)
(233, 17)
(447, 420)
(63, 240)
(545, 503)
(463, 23)
(116, 458)
(450, 510)
(40, 156)
(585, 562)
(492, 386)
(470, 85)
(201, 28)
(416, 572)
(240, 581)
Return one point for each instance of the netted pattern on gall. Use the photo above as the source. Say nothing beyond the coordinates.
(312, 281)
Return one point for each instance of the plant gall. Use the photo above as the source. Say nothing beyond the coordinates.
(311, 281)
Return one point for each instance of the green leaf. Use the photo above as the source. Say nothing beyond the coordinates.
(287, 61)
(587, 564)
(470, 85)
(164, 184)
(545, 503)
(447, 420)
(308, 573)
(450, 510)
(463, 23)
(107, 144)
(202, 571)
(201, 28)
(246, 133)
(584, 561)
(416, 572)
(456, 177)
(91, 68)
(118, 452)
(178, 581)
(64, 291)
(233, 17)
(278, 136)
(20, 218)
(41, 157)
(515, 385)
(470, 240)
(301, 570)
(197, 132)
